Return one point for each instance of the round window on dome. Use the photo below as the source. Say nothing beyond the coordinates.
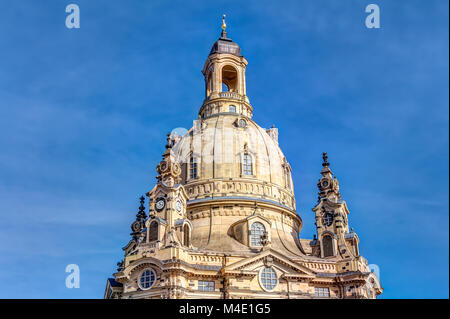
(268, 278)
(242, 123)
(147, 279)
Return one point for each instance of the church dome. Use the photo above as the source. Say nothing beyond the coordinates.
(229, 155)
(233, 172)
(222, 221)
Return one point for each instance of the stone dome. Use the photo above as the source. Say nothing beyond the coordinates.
(234, 174)
(233, 156)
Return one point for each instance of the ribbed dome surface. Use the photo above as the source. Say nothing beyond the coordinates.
(218, 145)
(225, 45)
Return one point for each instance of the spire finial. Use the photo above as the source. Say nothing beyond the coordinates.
(141, 213)
(325, 159)
(224, 27)
(169, 141)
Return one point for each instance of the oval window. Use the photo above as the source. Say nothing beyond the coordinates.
(268, 278)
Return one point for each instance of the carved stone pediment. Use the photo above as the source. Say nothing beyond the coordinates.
(270, 258)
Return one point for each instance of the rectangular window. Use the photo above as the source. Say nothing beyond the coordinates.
(322, 292)
(256, 232)
(247, 165)
(193, 167)
(205, 285)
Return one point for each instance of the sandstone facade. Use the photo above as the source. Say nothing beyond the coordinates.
(222, 219)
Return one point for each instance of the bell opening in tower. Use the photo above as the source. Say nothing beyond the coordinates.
(229, 79)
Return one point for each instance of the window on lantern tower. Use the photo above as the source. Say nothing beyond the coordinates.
(224, 87)
(209, 87)
(193, 167)
(247, 165)
(229, 79)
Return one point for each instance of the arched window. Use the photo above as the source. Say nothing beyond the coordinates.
(232, 109)
(256, 231)
(193, 167)
(153, 231)
(186, 233)
(210, 83)
(247, 165)
(327, 244)
(229, 78)
(225, 88)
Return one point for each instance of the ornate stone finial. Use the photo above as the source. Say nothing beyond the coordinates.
(325, 170)
(325, 160)
(265, 239)
(328, 185)
(169, 169)
(141, 214)
(268, 261)
(224, 27)
(169, 141)
(120, 265)
(139, 224)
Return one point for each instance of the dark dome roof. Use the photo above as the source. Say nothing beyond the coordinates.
(225, 45)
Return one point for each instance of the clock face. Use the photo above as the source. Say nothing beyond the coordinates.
(325, 183)
(178, 206)
(160, 203)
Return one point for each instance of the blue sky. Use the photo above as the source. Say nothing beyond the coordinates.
(84, 113)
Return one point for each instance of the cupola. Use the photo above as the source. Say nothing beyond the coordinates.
(224, 73)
